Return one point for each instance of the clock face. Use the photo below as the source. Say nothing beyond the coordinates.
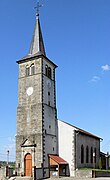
(29, 91)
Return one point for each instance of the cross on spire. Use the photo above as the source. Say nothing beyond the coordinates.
(37, 7)
(37, 44)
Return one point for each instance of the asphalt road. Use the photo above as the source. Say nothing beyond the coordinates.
(70, 178)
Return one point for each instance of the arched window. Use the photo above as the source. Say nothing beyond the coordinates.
(87, 154)
(49, 72)
(27, 70)
(95, 155)
(46, 70)
(91, 154)
(82, 154)
(32, 69)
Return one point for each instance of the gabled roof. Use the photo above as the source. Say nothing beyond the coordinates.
(27, 143)
(81, 130)
(58, 159)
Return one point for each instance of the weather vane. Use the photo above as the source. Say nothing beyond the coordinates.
(37, 7)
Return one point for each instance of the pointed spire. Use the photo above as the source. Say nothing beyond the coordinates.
(37, 44)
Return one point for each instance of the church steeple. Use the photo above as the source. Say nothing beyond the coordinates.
(37, 44)
(37, 131)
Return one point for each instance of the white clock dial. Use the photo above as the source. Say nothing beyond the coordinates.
(29, 91)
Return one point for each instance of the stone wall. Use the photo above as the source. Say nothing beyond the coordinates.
(90, 142)
(5, 172)
(2, 173)
(91, 173)
(83, 173)
(101, 174)
(36, 114)
(29, 112)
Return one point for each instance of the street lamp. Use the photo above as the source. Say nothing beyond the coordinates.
(7, 163)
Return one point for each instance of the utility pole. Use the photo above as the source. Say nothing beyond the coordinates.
(7, 157)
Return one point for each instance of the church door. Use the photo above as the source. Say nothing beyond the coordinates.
(28, 165)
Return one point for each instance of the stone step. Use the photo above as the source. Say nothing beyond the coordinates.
(12, 178)
(21, 178)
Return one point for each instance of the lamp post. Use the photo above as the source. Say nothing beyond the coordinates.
(7, 174)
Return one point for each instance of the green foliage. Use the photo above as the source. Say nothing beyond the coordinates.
(100, 163)
(100, 170)
(4, 163)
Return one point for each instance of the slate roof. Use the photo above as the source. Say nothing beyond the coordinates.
(37, 44)
(37, 48)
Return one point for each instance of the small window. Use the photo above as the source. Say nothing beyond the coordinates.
(32, 69)
(27, 71)
(49, 103)
(53, 148)
(46, 70)
(49, 72)
(48, 98)
(49, 126)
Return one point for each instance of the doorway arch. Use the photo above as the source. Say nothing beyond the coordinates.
(28, 165)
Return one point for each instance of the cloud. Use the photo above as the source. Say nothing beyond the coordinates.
(105, 67)
(95, 78)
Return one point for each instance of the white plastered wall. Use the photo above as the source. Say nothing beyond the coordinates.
(67, 145)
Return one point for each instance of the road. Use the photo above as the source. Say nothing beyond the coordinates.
(73, 178)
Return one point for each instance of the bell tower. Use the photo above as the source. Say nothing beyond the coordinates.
(36, 112)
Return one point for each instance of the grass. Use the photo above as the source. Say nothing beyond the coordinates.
(102, 170)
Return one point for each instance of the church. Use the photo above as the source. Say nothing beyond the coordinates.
(46, 146)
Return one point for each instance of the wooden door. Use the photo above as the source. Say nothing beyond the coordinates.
(28, 165)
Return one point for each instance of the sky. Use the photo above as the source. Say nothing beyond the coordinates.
(76, 35)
